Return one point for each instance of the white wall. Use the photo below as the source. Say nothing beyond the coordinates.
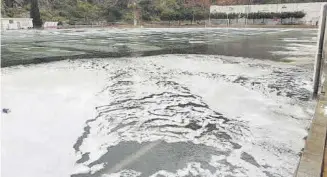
(17, 23)
(312, 10)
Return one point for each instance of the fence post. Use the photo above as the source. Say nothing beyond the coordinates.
(318, 62)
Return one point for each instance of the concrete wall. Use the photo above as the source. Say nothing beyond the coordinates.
(312, 10)
(16, 23)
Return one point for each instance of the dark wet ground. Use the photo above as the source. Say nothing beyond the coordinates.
(47, 46)
(163, 156)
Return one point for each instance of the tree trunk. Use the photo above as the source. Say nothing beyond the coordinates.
(85, 19)
(35, 14)
(192, 18)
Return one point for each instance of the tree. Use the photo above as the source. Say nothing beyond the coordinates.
(115, 10)
(186, 14)
(35, 14)
(204, 4)
(113, 14)
(200, 14)
(168, 4)
(149, 10)
(196, 6)
(168, 15)
(87, 11)
(9, 3)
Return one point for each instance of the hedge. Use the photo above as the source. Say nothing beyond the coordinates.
(184, 14)
(259, 15)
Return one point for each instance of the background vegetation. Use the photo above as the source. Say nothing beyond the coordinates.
(100, 11)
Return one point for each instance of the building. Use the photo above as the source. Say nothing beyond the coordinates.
(16, 23)
(312, 10)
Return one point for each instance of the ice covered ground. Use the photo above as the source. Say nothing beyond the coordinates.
(161, 115)
(40, 46)
(48, 104)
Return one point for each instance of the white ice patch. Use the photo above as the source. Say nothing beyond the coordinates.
(49, 105)
(96, 168)
(175, 97)
(81, 169)
(124, 173)
(253, 112)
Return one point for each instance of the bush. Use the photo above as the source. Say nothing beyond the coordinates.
(186, 14)
(218, 16)
(113, 15)
(128, 16)
(201, 15)
(259, 15)
(46, 15)
(14, 12)
(298, 14)
(146, 16)
(224, 16)
(168, 15)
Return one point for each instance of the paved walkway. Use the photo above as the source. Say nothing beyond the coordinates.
(325, 164)
(325, 114)
(315, 151)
